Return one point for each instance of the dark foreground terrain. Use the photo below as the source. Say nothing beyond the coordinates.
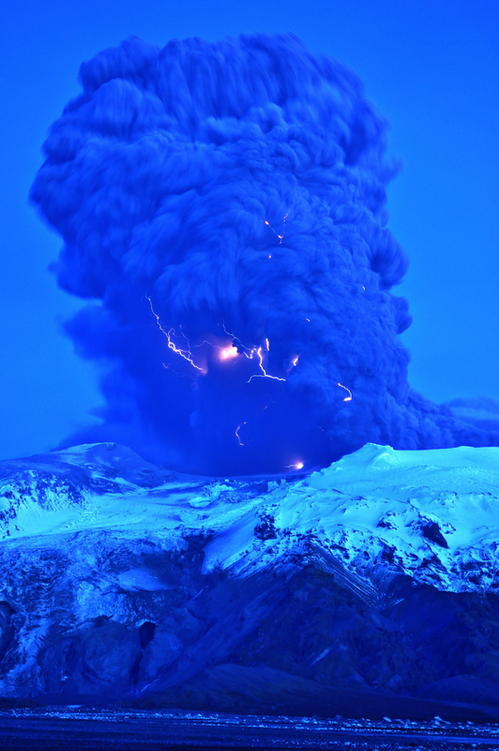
(83, 728)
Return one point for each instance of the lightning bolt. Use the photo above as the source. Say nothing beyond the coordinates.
(225, 353)
(258, 353)
(186, 354)
(350, 396)
(281, 237)
(237, 433)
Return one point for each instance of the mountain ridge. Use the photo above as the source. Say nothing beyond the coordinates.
(123, 581)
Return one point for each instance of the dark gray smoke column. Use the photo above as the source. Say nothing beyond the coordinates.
(212, 195)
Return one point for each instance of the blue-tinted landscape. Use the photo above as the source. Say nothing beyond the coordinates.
(250, 446)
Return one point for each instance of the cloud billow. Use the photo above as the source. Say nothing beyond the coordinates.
(222, 208)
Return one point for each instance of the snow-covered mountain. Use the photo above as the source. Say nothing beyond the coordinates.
(374, 580)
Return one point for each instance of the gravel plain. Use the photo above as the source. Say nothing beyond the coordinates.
(78, 728)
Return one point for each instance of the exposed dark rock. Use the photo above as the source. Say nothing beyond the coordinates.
(304, 632)
(432, 532)
(146, 633)
(265, 529)
(6, 627)
(385, 524)
(95, 660)
(159, 655)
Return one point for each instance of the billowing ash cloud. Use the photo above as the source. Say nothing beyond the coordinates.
(222, 209)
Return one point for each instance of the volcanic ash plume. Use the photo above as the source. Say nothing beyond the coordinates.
(222, 209)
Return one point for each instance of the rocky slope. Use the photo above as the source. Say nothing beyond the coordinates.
(366, 586)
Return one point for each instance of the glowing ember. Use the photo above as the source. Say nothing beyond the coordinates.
(298, 465)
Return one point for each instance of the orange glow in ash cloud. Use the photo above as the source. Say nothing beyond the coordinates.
(228, 353)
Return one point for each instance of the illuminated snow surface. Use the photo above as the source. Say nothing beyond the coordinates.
(435, 512)
(327, 592)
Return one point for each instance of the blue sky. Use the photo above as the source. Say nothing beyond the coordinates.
(431, 67)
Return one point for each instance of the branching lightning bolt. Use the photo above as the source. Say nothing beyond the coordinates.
(257, 353)
(186, 354)
(226, 353)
